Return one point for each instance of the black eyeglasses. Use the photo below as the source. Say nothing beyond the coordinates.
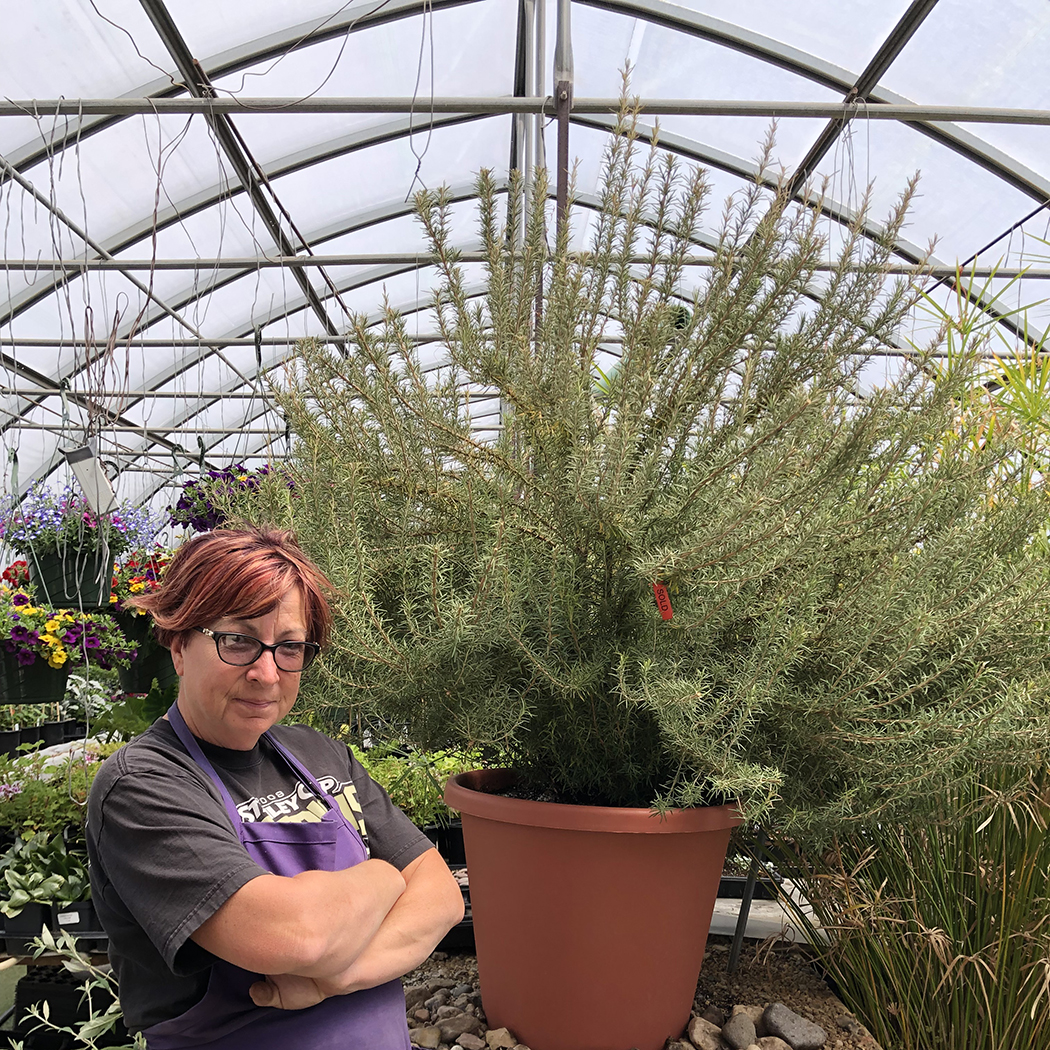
(240, 650)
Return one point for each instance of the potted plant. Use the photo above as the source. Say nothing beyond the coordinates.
(48, 794)
(201, 505)
(40, 644)
(415, 780)
(138, 572)
(39, 873)
(668, 546)
(69, 548)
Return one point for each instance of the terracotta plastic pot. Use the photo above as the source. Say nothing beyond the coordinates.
(590, 922)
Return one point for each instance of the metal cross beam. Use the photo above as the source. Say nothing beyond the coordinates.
(855, 108)
(198, 83)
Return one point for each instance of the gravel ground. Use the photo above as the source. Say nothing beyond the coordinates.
(779, 974)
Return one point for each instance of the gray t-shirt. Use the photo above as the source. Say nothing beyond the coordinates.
(165, 857)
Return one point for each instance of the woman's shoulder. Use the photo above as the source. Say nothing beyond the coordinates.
(155, 753)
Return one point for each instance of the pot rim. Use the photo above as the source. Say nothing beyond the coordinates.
(470, 794)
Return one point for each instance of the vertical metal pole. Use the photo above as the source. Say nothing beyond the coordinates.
(540, 78)
(742, 916)
(529, 123)
(563, 83)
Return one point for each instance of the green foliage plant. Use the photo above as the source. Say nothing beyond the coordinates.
(1009, 399)
(100, 993)
(42, 870)
(846, 599)
(49, 798)
(415, 780)
(938, 935)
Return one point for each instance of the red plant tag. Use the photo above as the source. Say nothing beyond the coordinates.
(663, 601)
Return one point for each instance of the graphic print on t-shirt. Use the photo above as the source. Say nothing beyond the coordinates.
(301, 804)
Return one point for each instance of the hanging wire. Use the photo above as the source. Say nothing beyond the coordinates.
(427, 16)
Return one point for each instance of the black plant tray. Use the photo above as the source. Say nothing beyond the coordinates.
(461, 937)
(732, 886)
(63, 993)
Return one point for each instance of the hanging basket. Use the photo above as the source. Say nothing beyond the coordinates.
(144, 670)
(153, 661)
(69, 578)
(35, 683)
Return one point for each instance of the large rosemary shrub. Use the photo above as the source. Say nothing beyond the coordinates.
(855, 615)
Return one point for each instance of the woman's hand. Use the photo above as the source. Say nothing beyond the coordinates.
(286, 991)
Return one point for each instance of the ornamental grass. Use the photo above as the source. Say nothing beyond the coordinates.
(940, 932)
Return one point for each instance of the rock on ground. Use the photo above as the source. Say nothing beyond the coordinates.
(797, 1031)
(739, 1032)
(704, 1035)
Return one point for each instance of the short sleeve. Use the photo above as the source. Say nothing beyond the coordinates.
(166, 854)
(391, 835)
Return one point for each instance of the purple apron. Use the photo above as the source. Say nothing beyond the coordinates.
(226, 1018)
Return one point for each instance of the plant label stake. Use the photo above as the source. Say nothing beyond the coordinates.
(663, 601)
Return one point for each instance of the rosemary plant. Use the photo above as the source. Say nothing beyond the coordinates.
(847, 599)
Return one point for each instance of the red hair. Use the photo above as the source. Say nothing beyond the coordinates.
(243, 572)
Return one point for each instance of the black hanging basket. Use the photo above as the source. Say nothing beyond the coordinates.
(70, 578)
(153, 661)
(35, 683)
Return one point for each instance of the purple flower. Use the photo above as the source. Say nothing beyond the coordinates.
(20, 599)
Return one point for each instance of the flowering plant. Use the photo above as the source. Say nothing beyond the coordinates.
(46, 521)
(60, 637)
(17, 574)
(201, 506)
(138, 573)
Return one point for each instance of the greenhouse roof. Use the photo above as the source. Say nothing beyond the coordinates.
(187, 188)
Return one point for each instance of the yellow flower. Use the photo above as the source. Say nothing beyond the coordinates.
(136, 588)
(113, 599)
(58, 657)
(50, 639)
(51, 626)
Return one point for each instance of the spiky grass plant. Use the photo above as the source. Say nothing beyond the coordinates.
(940, 933)
(849, 605)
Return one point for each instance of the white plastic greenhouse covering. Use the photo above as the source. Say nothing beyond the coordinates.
(147, 283)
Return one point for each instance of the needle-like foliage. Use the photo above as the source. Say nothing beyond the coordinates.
(855, 616)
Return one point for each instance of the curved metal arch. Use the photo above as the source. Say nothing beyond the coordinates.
(658, 12)
(680, 19)
(388, 211)
(357, 141)
(734, 165)
(679, 144)
(351, 20)
(653, 10)
(219, 192)
(376, 274)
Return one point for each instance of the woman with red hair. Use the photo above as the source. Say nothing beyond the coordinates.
(259, 890)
